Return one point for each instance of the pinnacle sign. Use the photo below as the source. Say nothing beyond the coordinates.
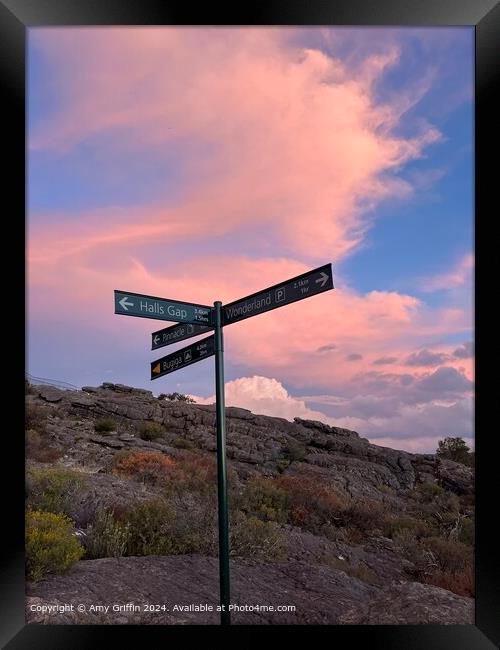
(302, 286)
(183, 357)
(135, 304)
(195, 319)
(176, 333)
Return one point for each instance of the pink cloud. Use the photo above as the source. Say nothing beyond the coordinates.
(461, 274)
(268, 134)
(306, 342)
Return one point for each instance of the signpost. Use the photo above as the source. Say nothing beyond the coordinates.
(195, 319)
(135, 304)
(183, 357)
(279, 295)
(176, 333)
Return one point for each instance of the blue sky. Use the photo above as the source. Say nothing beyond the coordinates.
(121, 142)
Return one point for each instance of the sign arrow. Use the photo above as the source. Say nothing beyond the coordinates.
(128, 303)
(176, 333)
(302, 286)
(124, 304)
(324, 277)
(183, 357)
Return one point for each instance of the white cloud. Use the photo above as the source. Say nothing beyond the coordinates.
(265, 396)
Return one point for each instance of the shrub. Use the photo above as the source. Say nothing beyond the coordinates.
(364, 514)
(50, 545)
(467, 531)
(36, 416)
(282, 465)
(314, 506)
(151, 431)
(461, 582)
(196, 473)
(150, 467)
(53, 490)
(106, 537)
(194, 528)
(252, 537)
(191, 472)
(149, 531)
(264, 499)
(183, 443)
(455, 449)
(426, 492)
(38, 449)
(177, 397)
(295, 451)
(416, 527)
(105, 425)
(452, 556)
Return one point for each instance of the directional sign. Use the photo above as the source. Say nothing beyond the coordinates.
(175, 333)
(135, 304)
(303, 286)
(183, 357)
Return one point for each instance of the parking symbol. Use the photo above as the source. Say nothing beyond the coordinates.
(279, 294)
(188, 355)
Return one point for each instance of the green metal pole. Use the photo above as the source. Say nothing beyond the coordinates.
(225, 617)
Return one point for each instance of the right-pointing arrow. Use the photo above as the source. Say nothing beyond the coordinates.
(323, 278)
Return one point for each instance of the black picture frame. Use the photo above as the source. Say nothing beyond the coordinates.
(16, 16)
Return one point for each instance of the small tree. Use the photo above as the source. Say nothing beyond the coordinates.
(455, 449)
(176, 397)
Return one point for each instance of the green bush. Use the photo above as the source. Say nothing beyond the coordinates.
(455, 449)
(294, 451)
(183, 443)
(252, 537)
(151, 431)
(263, 499)
(50, 545)
(105, 425)
(282, 465)
(452, 556)
(53, 489)
(149, 529)
(417, 527)
(427, 492)
(364, 514)
(467, 532)
(106, 537)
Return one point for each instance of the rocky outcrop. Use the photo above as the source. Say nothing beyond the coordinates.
(412, 603)
(318, 594)
(252, 440)
(337, 580)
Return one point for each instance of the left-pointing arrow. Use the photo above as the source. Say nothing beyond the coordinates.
(156, 369)
(124, 304)
(156, 339)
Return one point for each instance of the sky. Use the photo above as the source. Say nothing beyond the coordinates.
(205, 164)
